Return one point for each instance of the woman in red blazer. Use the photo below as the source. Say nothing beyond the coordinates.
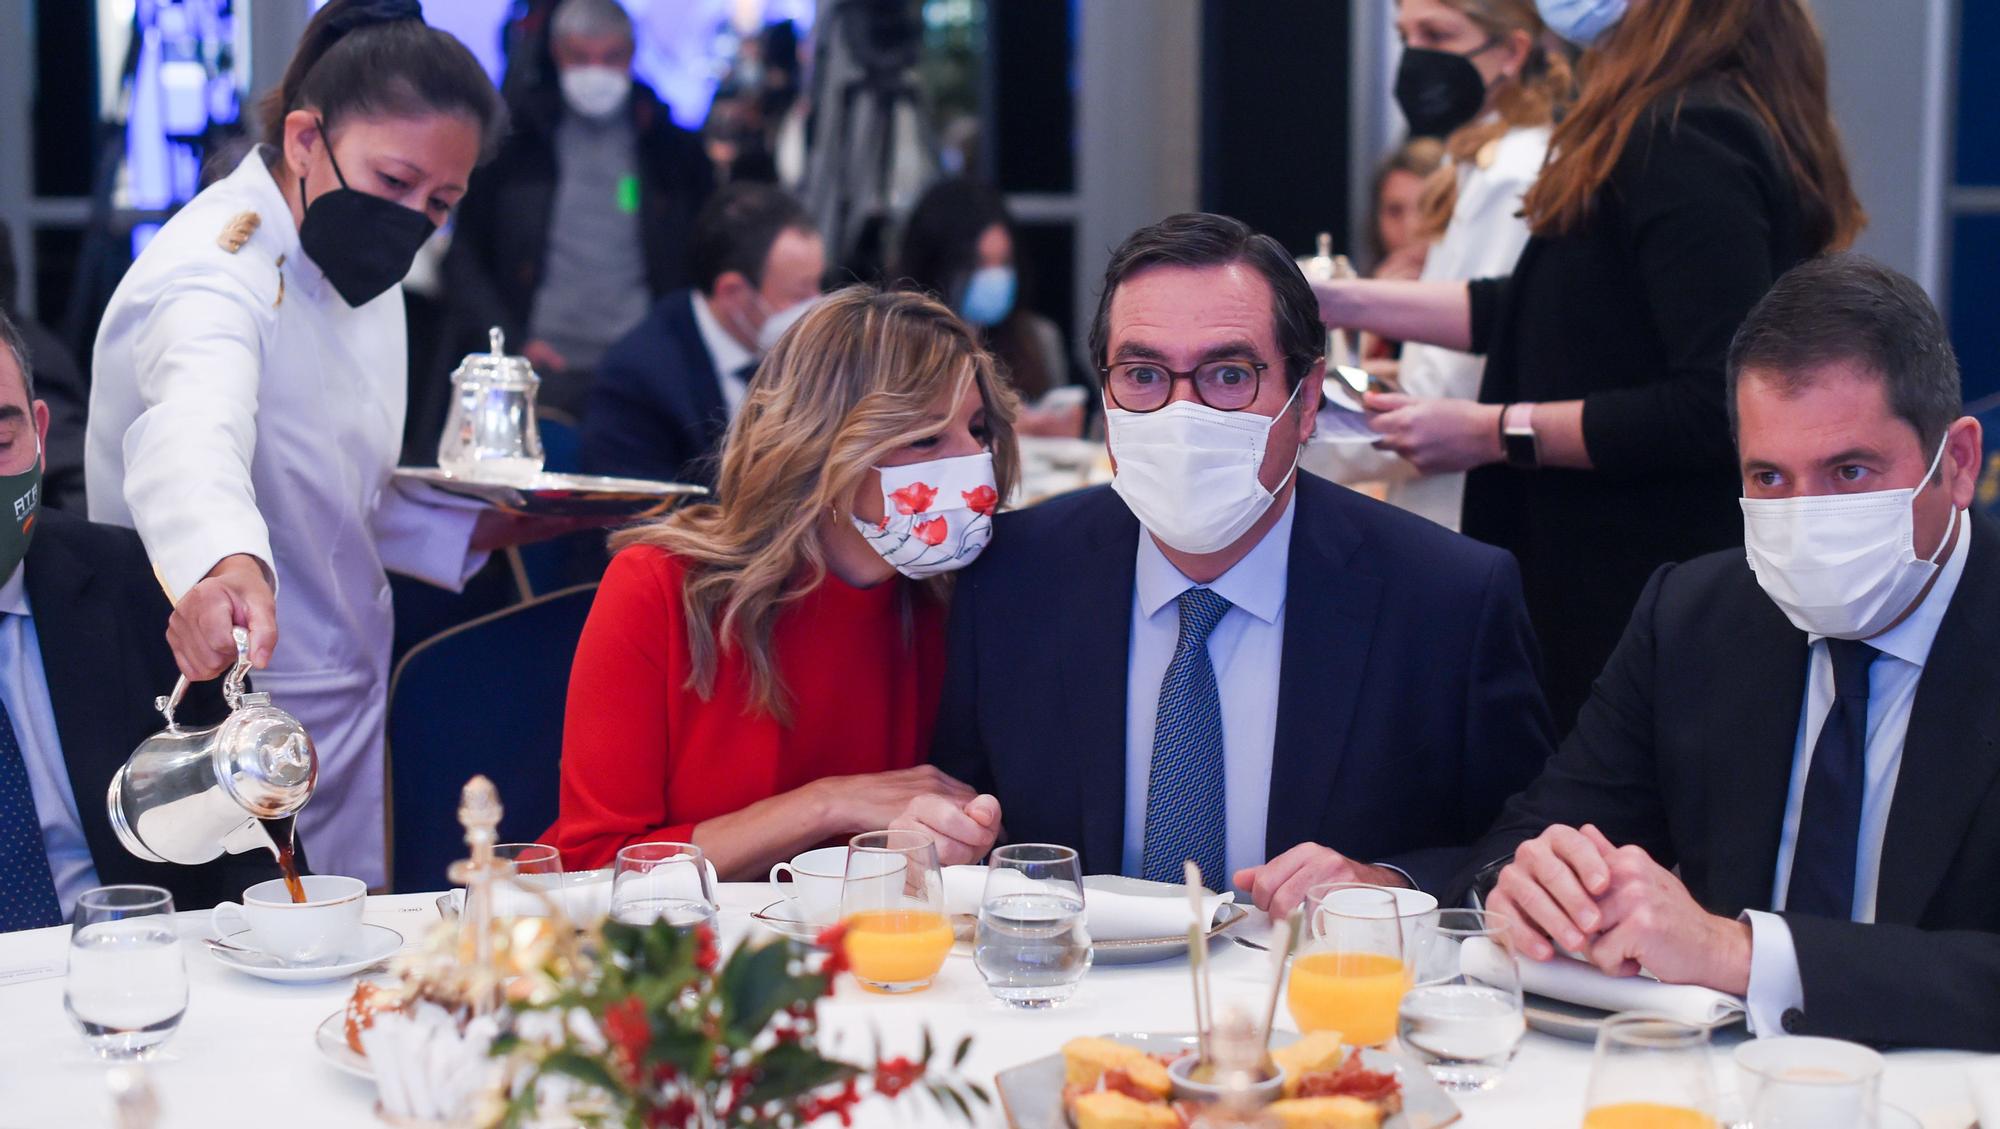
(759, 675)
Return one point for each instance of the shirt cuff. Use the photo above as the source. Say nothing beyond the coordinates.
(1775, 987)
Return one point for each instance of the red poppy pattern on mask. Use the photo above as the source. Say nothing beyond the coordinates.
(937, 515)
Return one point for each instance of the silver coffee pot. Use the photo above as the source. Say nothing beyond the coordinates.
(490, 433)
(188, 795)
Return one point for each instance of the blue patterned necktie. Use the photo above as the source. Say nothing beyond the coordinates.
(1825, 853)
(27, 888)
(1185, 815)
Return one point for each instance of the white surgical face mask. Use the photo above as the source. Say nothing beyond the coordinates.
(595, 92)
(1582, 22)
(1189, 471)
(1841, 565)
(937, 515)
(779, 321)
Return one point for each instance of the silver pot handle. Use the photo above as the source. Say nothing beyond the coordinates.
(232, 683)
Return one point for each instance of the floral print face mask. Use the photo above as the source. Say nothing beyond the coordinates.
(937, 515)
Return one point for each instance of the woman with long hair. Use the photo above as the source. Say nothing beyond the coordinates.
(1699, 162)
(1479, 74)
(759, 676)
(249, 386)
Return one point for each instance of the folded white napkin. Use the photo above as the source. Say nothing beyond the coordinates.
(584, 895)
(1112, 911)
(1572, 981)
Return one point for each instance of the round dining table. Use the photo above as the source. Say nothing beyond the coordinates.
(245, 1053)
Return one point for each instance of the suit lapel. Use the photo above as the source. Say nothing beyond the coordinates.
(1095, 621)
(1749, 730)
(1330, 611)
(1950, 754)
(704, 383)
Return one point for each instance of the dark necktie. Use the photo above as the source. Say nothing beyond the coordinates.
(27, 888)
(1823, 858)
(1185, 813)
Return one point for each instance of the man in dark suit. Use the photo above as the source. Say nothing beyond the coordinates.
(1786, 783)
(83, 652)
(1215, 659)
(666, 392)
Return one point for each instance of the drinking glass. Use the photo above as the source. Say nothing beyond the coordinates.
(1794, 1082)
(127, 986)
(537, 867)
(662, 882)
(1463, 1012)
(892, 900)
(1650, 1073)
(1032, 946)
(1350, 976)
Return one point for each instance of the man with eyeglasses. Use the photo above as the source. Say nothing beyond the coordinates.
(1218, 658)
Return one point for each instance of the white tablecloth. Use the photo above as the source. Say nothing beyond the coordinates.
(244, 1055)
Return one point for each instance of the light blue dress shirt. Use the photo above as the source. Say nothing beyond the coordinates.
(25, 690)
(1247, 649)
(1892, 692)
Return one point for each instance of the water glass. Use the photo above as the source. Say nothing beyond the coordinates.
(1795, 1082)
(1032, 946)
(1350, 976)
(1650, 1073)
(662, 882)
(536, 867)
(1463, 1014)
(127, 986)
(892, 902)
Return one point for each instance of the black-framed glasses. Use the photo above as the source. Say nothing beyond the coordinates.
(1146, 386)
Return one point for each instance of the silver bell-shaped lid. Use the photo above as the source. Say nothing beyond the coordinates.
(495, 369)
(265, 758)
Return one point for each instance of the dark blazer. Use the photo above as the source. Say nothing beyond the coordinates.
(1408, 708)
(1686, 750)
(1632, 313)
(101, 618)
(501, 236)
(656, 409)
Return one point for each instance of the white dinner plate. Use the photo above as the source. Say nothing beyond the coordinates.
(1031, 1093)
(377, 943)
(331, 1039)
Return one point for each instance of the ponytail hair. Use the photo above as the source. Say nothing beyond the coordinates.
(378, 57)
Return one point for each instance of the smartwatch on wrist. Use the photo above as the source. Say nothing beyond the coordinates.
(1517, 436)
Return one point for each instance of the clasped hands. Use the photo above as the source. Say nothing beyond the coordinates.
(1571, 890)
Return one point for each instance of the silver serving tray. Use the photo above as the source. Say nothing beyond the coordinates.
(561, 495)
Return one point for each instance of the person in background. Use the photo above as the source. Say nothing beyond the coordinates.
(1397, 239)
(959, 245)
(1477, 73)
(1216, 658)
(63, 388)
(759, 675)
(584, 217)
(1783, 787)
(666, 392)
(83, 650)
(1699, 162)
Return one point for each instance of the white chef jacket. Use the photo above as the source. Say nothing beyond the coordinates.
(239, 405)
(1483, 239)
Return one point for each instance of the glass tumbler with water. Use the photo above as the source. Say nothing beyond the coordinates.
(127, 987)
(1032, 946)
(662, 882)
(1463, 1013)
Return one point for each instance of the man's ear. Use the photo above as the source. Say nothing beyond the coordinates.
(1963, 449)
(1310, 388)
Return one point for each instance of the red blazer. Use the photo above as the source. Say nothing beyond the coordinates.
(645, 758)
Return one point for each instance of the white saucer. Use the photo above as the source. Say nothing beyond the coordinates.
(778, 918)
(331, 1040)
(377, 943)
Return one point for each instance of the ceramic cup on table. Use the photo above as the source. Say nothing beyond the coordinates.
(316, 931)
(1413, 908)
(813, 895)
(1800, 1082)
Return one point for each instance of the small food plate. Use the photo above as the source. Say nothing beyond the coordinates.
(780, 918)
(560, 495)
(378, 943)
(1579, 1022)
(331, 1040)
(1032, 1093)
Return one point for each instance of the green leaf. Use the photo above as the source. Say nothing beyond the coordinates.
(979, 1091)
(789, 1070)
(584, 1068)
(925, 1058)
(958, 1056)
(755, 985)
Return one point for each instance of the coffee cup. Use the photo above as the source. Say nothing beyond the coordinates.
(813, 896)
(1413, 908)
(318, 930)
(1801, 1082)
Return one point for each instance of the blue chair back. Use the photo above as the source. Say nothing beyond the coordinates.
(562, 441)
(483, 697)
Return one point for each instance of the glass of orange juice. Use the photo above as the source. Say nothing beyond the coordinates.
(1351, 975)
(892, 901)
(1650, 1073)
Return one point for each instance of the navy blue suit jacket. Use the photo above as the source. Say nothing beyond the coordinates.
(1408, 703)
(655, 408)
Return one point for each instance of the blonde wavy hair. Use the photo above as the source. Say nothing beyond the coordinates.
(851, 383)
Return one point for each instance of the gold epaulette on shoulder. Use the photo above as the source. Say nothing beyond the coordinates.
(238, 231)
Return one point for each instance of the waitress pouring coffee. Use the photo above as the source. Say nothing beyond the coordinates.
(248, 393)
